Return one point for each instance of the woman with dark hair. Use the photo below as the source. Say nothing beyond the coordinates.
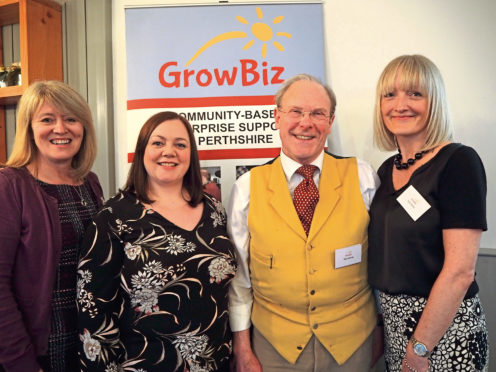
(156, 264)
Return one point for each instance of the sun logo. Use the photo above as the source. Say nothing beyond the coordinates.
(261, 31)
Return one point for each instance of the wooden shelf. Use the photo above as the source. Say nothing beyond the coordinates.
(10, 95)
(9, 14)
(40, 39)
(40, 34)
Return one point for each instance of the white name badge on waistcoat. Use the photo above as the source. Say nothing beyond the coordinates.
(413, 203)
(348, 256)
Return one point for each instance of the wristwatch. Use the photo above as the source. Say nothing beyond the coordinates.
(419, 348)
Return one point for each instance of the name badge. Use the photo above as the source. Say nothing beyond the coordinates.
(348, 256)
(413, 203)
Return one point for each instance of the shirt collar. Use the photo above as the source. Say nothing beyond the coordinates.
(289, 166)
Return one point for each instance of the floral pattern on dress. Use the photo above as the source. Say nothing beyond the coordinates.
(219, 214)
(91, 346)
(151, 295)
(220, 269)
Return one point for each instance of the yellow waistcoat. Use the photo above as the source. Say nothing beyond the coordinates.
(297, 291)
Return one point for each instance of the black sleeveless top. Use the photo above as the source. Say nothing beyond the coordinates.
(406, 256)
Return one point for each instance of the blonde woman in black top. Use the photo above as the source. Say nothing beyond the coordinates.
(427, 218)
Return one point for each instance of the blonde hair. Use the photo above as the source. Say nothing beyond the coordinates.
(414, 72)
(64, 99)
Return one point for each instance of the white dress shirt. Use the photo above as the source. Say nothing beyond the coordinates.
(240, 293)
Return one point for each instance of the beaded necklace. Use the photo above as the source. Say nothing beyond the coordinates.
(400, 166)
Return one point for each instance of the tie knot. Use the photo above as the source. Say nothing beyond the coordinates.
(306, 171)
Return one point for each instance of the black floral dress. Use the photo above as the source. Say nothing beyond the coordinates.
(151, 295)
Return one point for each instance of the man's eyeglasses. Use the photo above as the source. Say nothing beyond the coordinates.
(316, 116)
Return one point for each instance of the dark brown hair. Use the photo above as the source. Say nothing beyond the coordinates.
(137, 179)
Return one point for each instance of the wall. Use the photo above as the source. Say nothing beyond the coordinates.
(486, 266)
(363, 36)
(88, 68)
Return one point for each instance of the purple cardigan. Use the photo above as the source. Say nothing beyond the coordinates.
(30, 244)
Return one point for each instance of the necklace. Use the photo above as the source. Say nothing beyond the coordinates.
(79, 191)
(400, 166)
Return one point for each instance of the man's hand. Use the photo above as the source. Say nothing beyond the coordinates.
(244, 360)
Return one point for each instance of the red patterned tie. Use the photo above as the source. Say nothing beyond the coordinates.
(306, 196)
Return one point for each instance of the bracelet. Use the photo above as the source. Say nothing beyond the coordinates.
(409, 366)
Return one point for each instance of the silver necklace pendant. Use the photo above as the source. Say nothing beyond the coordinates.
(80, 193)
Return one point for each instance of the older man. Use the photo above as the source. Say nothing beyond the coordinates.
(299, 224)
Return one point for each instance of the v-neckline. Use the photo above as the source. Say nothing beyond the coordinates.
(414, 173)
(202, 216)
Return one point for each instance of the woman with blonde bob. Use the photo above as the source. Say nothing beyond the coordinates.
(426, 221)
(48, 196)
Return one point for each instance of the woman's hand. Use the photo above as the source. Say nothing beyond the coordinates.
(460, 251)
(409, 366)
(413, 362)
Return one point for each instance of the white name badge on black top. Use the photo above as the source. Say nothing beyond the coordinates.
(348, 256)
(413, 203)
